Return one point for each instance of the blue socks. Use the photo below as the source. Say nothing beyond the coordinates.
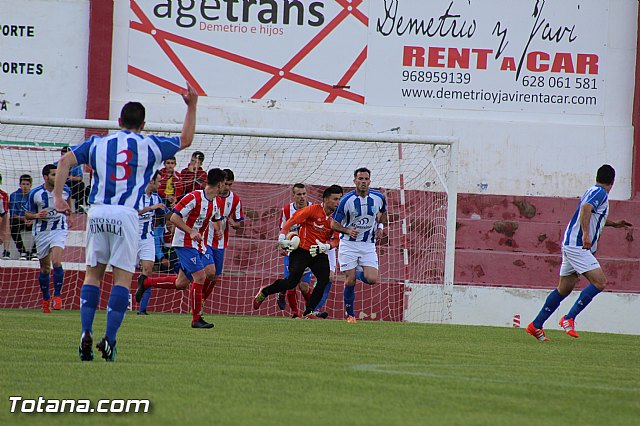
(360, 276)
(58, 278)
(324, 298)
(549, 307)
(43, 280)
(585, 297)
(116, 308)
(89, 299)
(349, 298)
(144, 302)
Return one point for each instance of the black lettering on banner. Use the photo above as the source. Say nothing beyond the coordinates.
(12, 30)
(21, 68)
(187, 12)
(448, 24)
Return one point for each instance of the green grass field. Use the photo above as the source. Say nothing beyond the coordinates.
(278, 371)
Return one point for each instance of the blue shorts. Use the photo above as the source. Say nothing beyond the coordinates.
(306, 277)
(191, 260)
(218, 259)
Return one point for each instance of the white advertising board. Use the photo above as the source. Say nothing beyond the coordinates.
(500, 55)
(43, 57)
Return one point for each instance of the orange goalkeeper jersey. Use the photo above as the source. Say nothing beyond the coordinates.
(315, 224)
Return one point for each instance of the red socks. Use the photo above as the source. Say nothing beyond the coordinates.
(196, 300)
(161, 282)
(208, 288)
(292, 300)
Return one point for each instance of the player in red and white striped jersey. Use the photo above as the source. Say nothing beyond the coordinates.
(192, 217)
(232, 216)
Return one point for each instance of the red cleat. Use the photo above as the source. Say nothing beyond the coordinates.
(569, 327)
(57, 303)
(351, 320)
(45, 307)
(538, 333)
(260, 297)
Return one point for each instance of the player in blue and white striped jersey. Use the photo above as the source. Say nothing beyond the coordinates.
(578, 248)
(123, 164)
(361, 215)
(151, 204)
(50, 230)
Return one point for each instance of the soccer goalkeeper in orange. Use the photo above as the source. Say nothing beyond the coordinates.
(316, 238)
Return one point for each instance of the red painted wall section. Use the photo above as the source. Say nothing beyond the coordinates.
(99, 59)
(508, 241)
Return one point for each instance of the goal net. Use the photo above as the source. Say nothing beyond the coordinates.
(417, 175)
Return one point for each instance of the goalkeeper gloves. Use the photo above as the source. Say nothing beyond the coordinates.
(318, 248)
(283, 243)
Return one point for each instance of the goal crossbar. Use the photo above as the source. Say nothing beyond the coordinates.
(236, 131)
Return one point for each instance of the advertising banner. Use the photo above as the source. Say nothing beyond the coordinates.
(502, 55)
(43, 58)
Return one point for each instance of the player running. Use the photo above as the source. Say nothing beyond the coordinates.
(578, 249)
(361, 214)
(232, 215)
(192, 217)
(50, 230)
(299, 193)
(123, 164)
(316, 238)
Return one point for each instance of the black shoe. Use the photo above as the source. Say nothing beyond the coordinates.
(200, 323)
(143, 313)
(108, 350)
(294, 316)
(322, 315)
(85, 350)
(141, 288)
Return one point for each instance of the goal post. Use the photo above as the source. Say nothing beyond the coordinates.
(417, 174)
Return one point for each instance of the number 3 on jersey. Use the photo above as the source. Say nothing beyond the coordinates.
(124, 164)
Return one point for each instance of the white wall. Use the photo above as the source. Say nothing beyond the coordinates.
(501, 152)
(512, 152)
(498, 306)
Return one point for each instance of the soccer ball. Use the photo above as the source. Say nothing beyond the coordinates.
(294, 240)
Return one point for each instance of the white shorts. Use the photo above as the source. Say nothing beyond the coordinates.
(577, 260)
(112, 236)
(332, 259)
(354, 253)
(147, 249)
(48, 239)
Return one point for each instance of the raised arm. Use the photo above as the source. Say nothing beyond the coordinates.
(64, 165)
(189, 126)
